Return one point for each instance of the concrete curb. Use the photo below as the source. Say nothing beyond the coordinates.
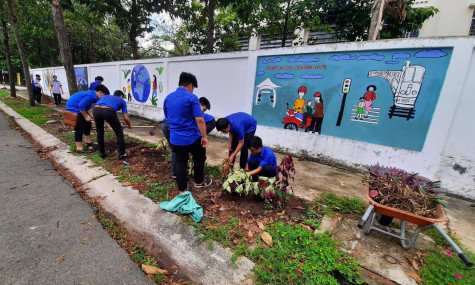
(140, 215)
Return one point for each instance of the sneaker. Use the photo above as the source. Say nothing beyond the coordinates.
(207, 182)
(123, 156)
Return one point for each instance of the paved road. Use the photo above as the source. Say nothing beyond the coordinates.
(48, 234)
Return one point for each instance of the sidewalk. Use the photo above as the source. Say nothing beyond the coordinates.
(48, 232)
(312, 179)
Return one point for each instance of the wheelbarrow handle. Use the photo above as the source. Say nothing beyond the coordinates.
(465, 259)
(365, 216)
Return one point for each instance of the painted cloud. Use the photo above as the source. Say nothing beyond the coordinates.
(430, 53)
(303, 59)
(374, 56)
(284, 76)
(311, 76)
(342, 57)
(271, 60)
(402, 55)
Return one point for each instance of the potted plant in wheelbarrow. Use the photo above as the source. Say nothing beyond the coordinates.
(395, 193)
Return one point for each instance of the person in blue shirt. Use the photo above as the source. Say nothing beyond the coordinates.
(98, 80)
(106, 110)
(210, 122)
(262, 161)
(187, 131)
(241, 128)
(80, 103)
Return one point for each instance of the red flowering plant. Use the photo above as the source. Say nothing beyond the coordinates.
(396, 188)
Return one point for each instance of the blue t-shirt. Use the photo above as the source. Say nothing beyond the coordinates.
(94, 84)
(114, 102)
(267, 157)
(81, 101)
(181, 108)
(241, 124)
(208, 118)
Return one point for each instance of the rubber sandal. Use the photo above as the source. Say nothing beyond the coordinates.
(90, 146)
(207, 182)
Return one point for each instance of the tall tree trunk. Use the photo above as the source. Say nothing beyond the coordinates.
(210, 29)
(21, 50)
(133, 30)
(64, 48)
(8, 56)
(376, 19)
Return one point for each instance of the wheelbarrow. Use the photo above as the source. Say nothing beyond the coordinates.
(367, 224)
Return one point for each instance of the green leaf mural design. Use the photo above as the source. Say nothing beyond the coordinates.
(160, 70)
(154, 100)
(126, 72)
(160, 87)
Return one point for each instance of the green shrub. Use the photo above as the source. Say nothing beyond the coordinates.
(299, 256)
(442, 268)
(342, 205)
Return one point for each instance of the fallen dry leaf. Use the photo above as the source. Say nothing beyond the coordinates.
(250, 234)
(261, 226)
(415, 265)
(267, 238)
(281, 213)
(127, 269)
(414, 276)
(255, 228)
(149, 269)
(61, 258)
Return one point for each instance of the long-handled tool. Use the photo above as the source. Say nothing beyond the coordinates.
(151, 132)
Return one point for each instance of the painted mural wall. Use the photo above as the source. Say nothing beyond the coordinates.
(382, 97)
(406, 103)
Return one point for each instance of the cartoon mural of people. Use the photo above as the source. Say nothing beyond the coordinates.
(307, 114)
(360, 108)
(317, 119)
(299, 104)
(129, 90)
(369, 97)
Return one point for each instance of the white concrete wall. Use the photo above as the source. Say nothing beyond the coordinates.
(228, 80)
(453, 19)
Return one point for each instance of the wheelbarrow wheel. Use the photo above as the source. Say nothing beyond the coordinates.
(385, 220)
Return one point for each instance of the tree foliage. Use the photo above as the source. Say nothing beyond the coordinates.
(402, 17)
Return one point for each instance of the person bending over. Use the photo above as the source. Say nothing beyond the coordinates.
(106, 110)
(241, 128)
(80, 103)
(209, 120)
(262, 161)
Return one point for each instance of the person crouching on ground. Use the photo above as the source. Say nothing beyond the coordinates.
(241, 128)
(262, 161)
(210, 122)
(187, 131)
(80, 103)
(106, 110)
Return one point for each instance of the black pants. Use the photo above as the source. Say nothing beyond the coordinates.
(182, 154)
(267, 171)
(244, 149)
(110, 116)
(316, 125)
(37, 94)
(82, 128)
(57, 98)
